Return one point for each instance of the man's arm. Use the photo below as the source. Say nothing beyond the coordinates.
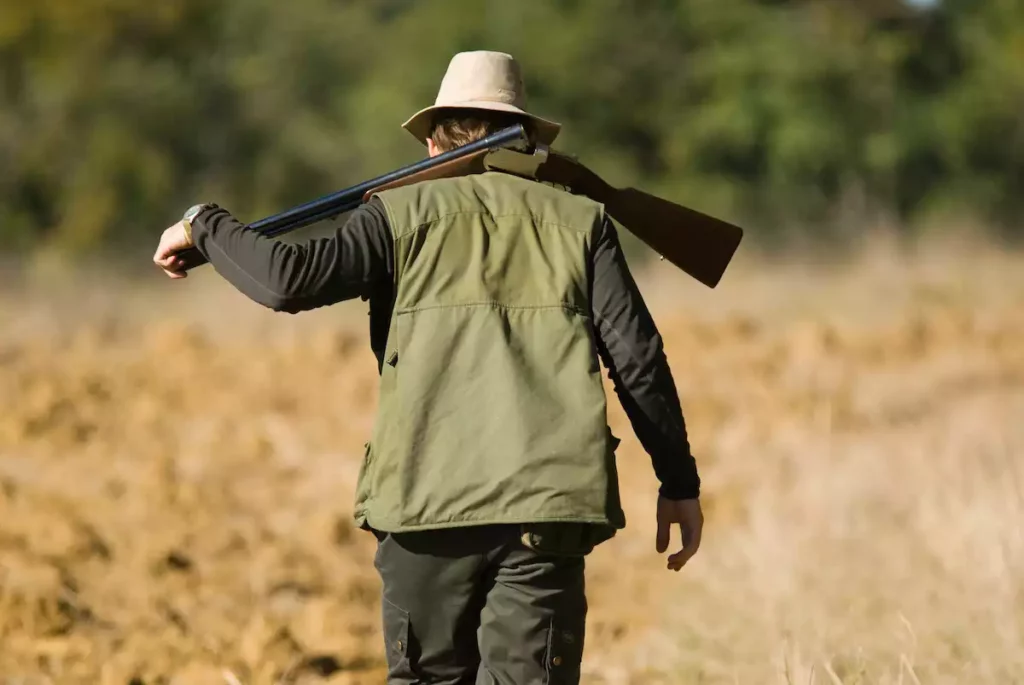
(631, 348)
(352, 262)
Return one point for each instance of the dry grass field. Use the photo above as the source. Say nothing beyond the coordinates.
(177, 466)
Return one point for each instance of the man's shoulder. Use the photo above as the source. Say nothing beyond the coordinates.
(495, 193)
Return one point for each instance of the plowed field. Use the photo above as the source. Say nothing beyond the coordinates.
(177, 468)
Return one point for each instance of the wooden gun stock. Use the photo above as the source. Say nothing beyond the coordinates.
(699, 244)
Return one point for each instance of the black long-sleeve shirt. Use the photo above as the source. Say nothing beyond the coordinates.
(356, 260)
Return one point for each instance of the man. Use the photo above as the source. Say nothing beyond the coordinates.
(491, 470)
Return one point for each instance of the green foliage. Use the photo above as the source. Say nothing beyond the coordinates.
(791, 116)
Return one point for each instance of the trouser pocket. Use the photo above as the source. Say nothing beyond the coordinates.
(564, 653)
(399, 643)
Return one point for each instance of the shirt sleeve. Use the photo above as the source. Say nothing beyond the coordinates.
(630, 346)
(353, 261)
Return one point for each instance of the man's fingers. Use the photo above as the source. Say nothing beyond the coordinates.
(173, 269)
(163, 254)
(170, 264)
(167, 256)
(691, 540)
(661, 544)
(678, 560)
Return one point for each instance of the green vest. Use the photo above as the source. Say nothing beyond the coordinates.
(492, 408)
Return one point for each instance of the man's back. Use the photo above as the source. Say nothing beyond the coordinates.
(492, 408)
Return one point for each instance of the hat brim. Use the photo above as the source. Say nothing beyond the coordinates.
(421, 123)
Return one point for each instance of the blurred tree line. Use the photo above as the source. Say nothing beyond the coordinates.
(794, 117)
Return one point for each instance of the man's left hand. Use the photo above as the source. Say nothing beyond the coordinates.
(173, 241)
(688, 515)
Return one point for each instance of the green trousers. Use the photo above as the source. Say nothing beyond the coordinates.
(476, 605)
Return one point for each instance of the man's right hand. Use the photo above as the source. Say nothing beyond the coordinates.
(174, 240)
(687, 513)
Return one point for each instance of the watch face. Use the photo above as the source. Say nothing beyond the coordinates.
(192, 212)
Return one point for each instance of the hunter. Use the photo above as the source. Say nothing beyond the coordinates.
(491, 469)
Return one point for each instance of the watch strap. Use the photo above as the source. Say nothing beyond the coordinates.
(190, 215)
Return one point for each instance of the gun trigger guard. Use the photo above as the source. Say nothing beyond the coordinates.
(518, 163)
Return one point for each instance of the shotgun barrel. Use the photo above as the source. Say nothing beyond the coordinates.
(697, 243)
(348, 199)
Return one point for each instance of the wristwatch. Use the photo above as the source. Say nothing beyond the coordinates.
(190, 215)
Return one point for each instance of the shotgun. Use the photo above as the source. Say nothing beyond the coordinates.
(699, 244)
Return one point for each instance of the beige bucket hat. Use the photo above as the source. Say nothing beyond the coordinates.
(481, 80)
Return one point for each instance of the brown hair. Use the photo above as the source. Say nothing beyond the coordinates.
(455, 127)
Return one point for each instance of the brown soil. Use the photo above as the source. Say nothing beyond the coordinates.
(175, 491)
